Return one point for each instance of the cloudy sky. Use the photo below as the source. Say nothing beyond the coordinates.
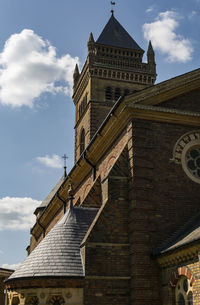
(40, 43)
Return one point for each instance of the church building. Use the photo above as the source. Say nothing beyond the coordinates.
(123, 227)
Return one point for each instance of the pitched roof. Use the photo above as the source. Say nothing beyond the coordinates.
(115, 35)
(58, 254)
(188, 234)
(50, 196)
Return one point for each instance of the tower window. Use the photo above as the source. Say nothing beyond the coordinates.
(117, 93)
(108, 93)
(83, 105)
(82, 141)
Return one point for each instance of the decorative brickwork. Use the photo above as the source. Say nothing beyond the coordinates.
(181, 271)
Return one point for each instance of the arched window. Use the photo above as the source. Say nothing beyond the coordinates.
(82, 141)
(183, 291)
(117, 93)
(15, 301)
(108, 93)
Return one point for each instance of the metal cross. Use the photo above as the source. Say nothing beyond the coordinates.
(65, 167)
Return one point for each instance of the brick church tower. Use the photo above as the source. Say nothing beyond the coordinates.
(123, 227)
(113, 68)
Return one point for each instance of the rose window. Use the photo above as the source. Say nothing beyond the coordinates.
(193, 161)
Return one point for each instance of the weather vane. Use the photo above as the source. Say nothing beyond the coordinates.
(112, 6)
(65, 167)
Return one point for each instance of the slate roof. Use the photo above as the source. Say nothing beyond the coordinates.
(58, 254)
(188, 234)
(115, 35)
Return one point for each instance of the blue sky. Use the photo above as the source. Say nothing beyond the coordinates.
(40, 43)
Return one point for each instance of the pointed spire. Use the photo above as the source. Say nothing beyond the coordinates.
(150, 54)
(150, 48)
(91, 39)
(91, 44)
(76, 74)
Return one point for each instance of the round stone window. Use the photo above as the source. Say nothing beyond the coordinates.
(193, 161)
(190, 160)
(187, 153)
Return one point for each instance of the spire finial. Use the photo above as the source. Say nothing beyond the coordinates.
(70, 194)
(65, 167)
(112, 7)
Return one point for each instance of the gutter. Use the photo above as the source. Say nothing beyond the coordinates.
(43, 228)
(63, 201)
(90, 163)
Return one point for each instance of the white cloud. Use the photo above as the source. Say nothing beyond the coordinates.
(1, 252)
(11, 266)
(55, 161)
(29, 66)
(164, 38)
(17, 213)
(149, 10)
(192, 14)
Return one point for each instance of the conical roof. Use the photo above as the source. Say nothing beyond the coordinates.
(115, 35)
(58, 254)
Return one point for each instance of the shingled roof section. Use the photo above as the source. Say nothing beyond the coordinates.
(188, 234)
(58, 254)
(115, 35)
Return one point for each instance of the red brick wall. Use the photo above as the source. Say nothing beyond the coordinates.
(162, 200)
(107, 260)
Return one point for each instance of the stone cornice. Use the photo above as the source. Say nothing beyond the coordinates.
(179, 255)
(167, 115)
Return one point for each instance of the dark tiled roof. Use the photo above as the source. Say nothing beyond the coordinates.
(58, 254)
(188, 234)
(115, 35)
